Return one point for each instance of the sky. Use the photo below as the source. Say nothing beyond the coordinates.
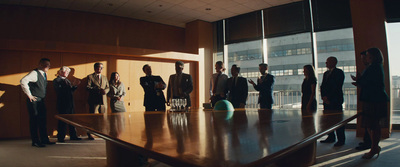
(393, 35)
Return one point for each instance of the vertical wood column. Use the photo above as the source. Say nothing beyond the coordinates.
(199, 40)
(369, 29)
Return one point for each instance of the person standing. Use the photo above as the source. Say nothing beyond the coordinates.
(265, 85)
(34, 86)
(116, 93)
(366, 144)
(237, 88)
(332, 96)
(374, 98)
(153, 87)
(180, 84)
(98, 88)
(308, 101)
(65, 102)
(218, 80)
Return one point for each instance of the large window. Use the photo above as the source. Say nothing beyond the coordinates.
(393, 36)
(286, 57)
(340, 44)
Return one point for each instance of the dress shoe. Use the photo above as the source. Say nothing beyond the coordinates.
(38, 145)
(363, 147)
(327, 141)
(75, 138)
(338, 144)
(49, 143)
(372, 153)
(90, 138)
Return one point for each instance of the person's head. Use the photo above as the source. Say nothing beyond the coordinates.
(363, 55)
(235, 70)
(263, 67)
(219, 66)
(44, 64)
(309, 71)
(374, 56)
(147, 69)
(64, 71)
(114, 77)
(98, 67)
(179, 65)
(331, 62)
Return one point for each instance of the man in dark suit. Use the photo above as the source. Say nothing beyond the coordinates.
(98, 88)
(237, 88)
(265, 85)
(34, 86)
(332, 96)
(65, 101)
(180, 85)
(154, 99)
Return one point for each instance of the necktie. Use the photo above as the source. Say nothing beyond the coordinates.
(45, 76)
(234, 82)
(215, 84)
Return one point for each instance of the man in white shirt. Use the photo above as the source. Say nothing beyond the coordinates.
(218, 87)
(34, 86)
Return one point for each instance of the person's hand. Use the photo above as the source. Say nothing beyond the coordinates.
(118, 98)
(251, 82)
(102, 91)
(32, 98)
(76, 82)
(168, 104)
(353, 77)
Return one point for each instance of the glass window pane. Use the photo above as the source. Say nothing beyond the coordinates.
(296, 51)
(393, 36)
(334, 41)
(247, 55)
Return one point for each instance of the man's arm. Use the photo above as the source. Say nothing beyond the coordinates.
(190, 86)
(31, 77)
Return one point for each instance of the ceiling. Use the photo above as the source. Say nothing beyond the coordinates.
(170, 12)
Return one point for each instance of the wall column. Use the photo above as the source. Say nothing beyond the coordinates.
(369, 29)
(199, 40)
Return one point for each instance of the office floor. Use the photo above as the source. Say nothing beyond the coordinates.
(19, 153)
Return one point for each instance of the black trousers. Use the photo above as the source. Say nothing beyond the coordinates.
(339, 134)
(156, 107)
(62, 127)
(37, 120)
(265, 105)
(215, 99)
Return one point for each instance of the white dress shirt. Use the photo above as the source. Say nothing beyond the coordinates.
(31, 77)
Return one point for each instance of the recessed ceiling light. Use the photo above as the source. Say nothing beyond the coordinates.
(149, 11)
(208, 8)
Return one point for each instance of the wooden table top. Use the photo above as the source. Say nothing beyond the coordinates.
(212, 138)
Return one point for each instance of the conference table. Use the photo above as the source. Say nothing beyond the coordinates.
(200, 137)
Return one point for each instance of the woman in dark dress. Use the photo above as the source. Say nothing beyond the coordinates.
(374, 98)
(308, 101)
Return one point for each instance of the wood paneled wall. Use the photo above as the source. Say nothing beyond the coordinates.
(78, 40)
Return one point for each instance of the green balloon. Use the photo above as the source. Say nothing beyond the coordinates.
(223, 105)
(224, 110)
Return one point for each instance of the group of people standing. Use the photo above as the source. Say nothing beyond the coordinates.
(34, 86)
(235, 89)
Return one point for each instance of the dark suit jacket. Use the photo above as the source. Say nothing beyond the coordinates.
(265, 86)
(65, 99)
(186, 87)
(332, 87)
(237, 93)
(151, 94)
(372, 83)
(93, 86)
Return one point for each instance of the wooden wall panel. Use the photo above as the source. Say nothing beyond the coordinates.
(10, 117)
